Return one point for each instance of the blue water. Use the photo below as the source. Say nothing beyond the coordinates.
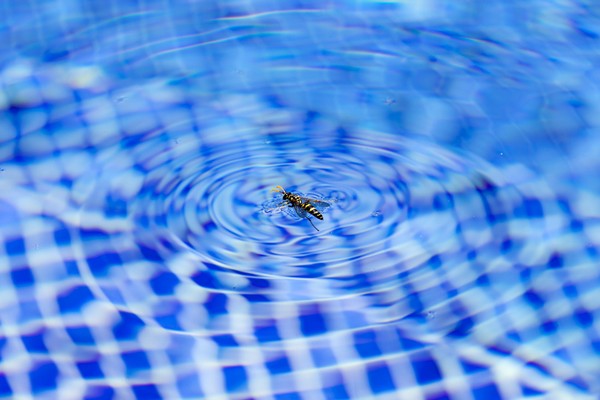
(144, 255)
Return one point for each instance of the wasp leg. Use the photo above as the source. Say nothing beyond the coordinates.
(312, 223)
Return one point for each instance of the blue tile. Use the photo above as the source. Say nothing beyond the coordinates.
(259, 283)
(526, 274)
(15, 247)
(414, 301)
(533, 208)
(576, 226)
(549, 327)
(43, 377)
(556, 261)
(267, 333)
(225, 340)
(235, 378)
(462, 328)
(337, 392)
(483, 281)
(62, 236)
(531, 392)
(128, 327)
(216, 304)
(135, 361)
(81, 335)
(205, 279)
(506, 245)
(150, 254)
(311, 321)
(90, 369)
(146, 392)
(256, 298)
(513, 335)
(101, 264)
(99, 392)
(5, 389)
(584, 318)
(209, 226)
(115, 207)
(534, 299)
(280, 365)
(22, 277)
(442, 201)
(34, 343)
(434, 262)
(71, 268)
(489, 392)
(143, 221)
(164, 283)
(471, 368)
(73, 300)
(426, 371)
(169, 321)
(380, 378)
(365, 343)
(570, 291)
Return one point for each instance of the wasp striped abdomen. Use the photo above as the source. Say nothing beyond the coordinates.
(312, 210)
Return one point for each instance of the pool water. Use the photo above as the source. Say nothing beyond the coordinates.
(145, 256)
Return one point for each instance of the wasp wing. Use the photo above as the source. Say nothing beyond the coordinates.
(301, 212)
(274, 206)
(278, 205)
(320, 205)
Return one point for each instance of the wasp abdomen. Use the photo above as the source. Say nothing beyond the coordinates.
(312, 210)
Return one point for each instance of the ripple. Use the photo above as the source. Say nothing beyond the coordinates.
(171, 223)
(175, 216)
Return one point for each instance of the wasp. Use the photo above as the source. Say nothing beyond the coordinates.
(303, 205)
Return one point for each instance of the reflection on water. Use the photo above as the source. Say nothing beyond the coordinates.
(144, 255)
(154, 239)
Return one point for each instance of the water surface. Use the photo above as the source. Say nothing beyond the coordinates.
(142, 257)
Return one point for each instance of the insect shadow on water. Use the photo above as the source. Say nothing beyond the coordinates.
(302, 205)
